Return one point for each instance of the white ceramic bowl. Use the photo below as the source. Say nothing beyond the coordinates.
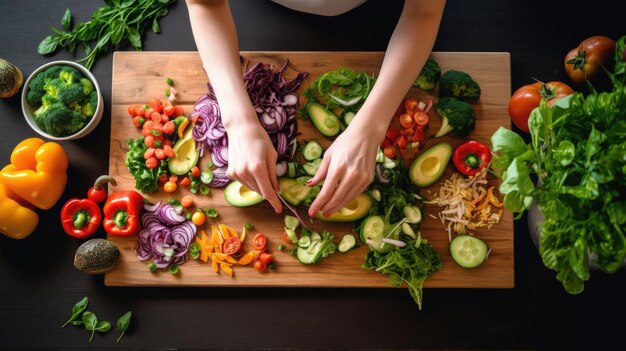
(28, 111)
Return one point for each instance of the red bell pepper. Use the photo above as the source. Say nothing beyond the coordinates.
(471, 157)
(121, 213)
(80, 217)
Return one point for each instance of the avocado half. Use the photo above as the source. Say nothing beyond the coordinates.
(356, 209)
(240, 195)
(430, 165)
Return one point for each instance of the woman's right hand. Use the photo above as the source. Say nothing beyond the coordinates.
(252, 159)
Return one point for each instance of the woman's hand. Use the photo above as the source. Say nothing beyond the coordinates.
(347, 167)
(252, 160)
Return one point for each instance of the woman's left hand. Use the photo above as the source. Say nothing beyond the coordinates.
(347, 169)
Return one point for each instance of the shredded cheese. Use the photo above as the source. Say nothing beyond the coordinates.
(466, 204)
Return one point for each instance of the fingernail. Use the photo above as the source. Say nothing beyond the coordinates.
(311, 213)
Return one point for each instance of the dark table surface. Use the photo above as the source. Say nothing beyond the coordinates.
(39, 285)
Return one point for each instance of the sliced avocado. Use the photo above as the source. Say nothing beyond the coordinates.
(356, 209)
(186, 155)
(325, 121)
(240, 195)
(293, 191)
(430, 165)
(96, 256)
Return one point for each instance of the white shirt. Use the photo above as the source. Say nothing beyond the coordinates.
(321, 7)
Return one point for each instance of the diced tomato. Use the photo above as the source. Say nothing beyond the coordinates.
(390, 151)
(401, 142)
(259, 266)
(286, 238)
(195, 171)
(163, 178)
(266, 258)
(385, 143)
(185, 181)
(410, 104)
(173, 178)
(156, 105)
(392, 133)
(419, 135)
(406, 120)
(408, 132)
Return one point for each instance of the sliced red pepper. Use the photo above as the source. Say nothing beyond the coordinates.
(121, 213)
(401, 142)
(80, 218)
(471, 157)
(418, 135)
(386, 142)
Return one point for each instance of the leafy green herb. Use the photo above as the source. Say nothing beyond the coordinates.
(152, 267)
(123, 323)
(173, 269)
(114, 24)
(146, 179)
(194, 251)
(248, 225)
(411, 264)
(91, 324)
(211, 212)
(577, 153)
(77, 312)
(280, 247)
(169, 81)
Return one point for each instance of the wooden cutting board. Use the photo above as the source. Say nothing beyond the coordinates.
(138, 76)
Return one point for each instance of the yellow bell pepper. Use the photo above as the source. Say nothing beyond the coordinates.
(37, 172)
(16, 221)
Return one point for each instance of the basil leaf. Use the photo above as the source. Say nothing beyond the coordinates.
(134, 38)
(103, 326)
(90, 320)
(48, 45)
(77, 310)
(66, 21)
(76, 322)
(122, 324)
(117, 30)
(155, 26)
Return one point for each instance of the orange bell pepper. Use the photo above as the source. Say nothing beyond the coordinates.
(16, 221)
(37, 172)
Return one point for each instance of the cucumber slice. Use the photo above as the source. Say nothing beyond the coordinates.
(312, 150)
(291, 169)
(291, 234)
(407, 230)
(413, 214)
(376, 194)
(311, 167)
(348, 117)
(380, 156)
(309, 255)
(468, 251)
(347, 242)
(372, 229)
(304, 242)
(291, 222)
(316, 236)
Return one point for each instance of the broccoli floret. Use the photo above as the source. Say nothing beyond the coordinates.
(71, 93)
(429, 76)
(70, 75)
(459, 84)
(58, 120)
(89, 108)
(87, 86)
(456, 116)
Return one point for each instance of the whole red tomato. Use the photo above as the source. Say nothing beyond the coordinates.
(584, 62)
(526, 98)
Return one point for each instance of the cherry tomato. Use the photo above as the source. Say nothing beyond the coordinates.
(169, 152)
(139, 110)
(410, 104)
(169, 110)
(170, 187)
(155, 117)
(406, 120)
(232, 245)
(131, 109)
(149, 140)
(148, 112)
(173, 178)
(195, 171)
(198, 218)
(186, 201)
(259, 242)
(148, 153)
(185, 181)
(390, 151)
(526, 98)
(155, 104)
(259, 266)
(164, 118)
(179, 111)
(163, 178)
(138, 121)
(266, 258)
(167, 142)
(169, 127)
(584, 62)
(159, 154)
(152, 162)
(421, 118)
(286, 238)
